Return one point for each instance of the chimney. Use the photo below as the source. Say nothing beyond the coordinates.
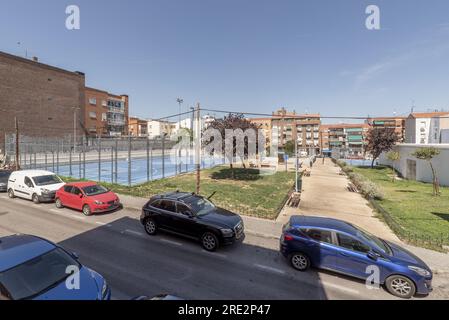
(35, 59)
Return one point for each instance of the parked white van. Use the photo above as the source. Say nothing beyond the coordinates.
(36, 185)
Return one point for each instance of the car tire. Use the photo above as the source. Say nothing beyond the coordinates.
(11, 194)
(400, 286)
(58, 203)
(150, 226)
(300, 261)
(209, 241)
(35, 198)
(86, 210)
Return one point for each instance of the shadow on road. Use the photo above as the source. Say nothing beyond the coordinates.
(136, 264)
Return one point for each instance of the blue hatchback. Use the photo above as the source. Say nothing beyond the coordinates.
(341, 247)
(32, 268)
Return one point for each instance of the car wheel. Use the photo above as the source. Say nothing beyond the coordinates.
(401, 287)
(209, 241)
(300, 261)
(86, 210)
(150, 227)
(58, 203)
(11, 194)
(35, 198)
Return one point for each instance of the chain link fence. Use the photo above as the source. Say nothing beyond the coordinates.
(126, 160)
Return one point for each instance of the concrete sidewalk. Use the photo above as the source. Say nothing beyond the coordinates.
(325, 194)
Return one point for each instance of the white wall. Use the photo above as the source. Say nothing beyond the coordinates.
(423, 171)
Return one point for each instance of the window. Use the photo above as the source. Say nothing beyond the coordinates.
(183, 209)
(350, 243)
(104, 117)
(156, 204)
(93, 115)
(76, 191)
(93, 101)
(28, 182)
(319, 235)
(168, 205)
(104, 103)
(68, 189)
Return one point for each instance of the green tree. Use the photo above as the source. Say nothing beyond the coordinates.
(289, 148)
(393, 156)
(427, 154)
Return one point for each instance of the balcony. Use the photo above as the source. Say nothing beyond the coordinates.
(116, 122)
(116, 110)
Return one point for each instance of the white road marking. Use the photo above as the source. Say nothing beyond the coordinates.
(215, 254)
(103, 224)
(261, 266)
(171, 242)
(339, 287)
(140, 234)
(61, 213)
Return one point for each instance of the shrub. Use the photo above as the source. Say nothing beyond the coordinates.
(366, 187)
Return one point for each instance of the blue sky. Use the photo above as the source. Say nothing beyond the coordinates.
(245, 55)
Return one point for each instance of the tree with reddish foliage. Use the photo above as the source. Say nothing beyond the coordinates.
(233, 122)
(380, 140)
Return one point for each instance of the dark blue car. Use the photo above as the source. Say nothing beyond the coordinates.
(341, 247)
(32, 268)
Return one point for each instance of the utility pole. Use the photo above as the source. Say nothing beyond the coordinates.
(180, 102)
(198, 148)
(296, 165)
(17, 143)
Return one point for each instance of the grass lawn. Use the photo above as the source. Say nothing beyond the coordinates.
(412, 204)
(248, 193)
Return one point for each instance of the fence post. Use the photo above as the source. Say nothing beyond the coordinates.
(70, 162)
(79, 164)
(116, 160)
(53, 160)
(57, 160)
(151, 163)
(45, 155)
(35, 162)
(99, 159)
(84, 162)
(148, 160)
(112, 164)
(129, 160)
(163, 156)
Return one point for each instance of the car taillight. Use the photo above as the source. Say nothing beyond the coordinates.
(288, 237)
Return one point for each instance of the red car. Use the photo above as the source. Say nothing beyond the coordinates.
(88, 197)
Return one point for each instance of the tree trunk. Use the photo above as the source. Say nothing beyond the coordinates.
(436, 187)
(372, 163)
(232, 171)
(394, 174)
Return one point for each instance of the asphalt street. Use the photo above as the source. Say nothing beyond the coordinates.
(134, 264)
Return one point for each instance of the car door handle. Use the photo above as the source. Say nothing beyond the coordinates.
(344, 254)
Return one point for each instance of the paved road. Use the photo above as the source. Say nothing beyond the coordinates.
(136, 264)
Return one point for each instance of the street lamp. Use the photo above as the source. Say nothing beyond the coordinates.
(180, 102)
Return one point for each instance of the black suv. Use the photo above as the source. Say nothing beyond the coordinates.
(4, 175)
(193, 216)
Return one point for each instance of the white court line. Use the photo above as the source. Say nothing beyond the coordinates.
(261, 266)
(103, 224)
(339, 287)
(140, 234)
(171, 242)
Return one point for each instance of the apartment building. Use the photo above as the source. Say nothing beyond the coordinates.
(396, 123)
(137, 127)
(264, 124)
(289, 126)
(426, 127)
(105, 114)
(47, 101)
(157, 129)
(348, 140)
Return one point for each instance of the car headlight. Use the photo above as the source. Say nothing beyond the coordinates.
(98, 202)
(420, 271)
(104, 290)
(227, 233)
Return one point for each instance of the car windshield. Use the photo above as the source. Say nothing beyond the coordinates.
(32, 278)
(94, 190)
(4, 175)
(47, 180)
(373, 240)
(200, 206)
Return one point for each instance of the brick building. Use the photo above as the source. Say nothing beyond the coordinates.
(45, 99)
(105, 114)
(137, 127)
(396, 123)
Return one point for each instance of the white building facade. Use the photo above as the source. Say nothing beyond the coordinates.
(426, 128)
